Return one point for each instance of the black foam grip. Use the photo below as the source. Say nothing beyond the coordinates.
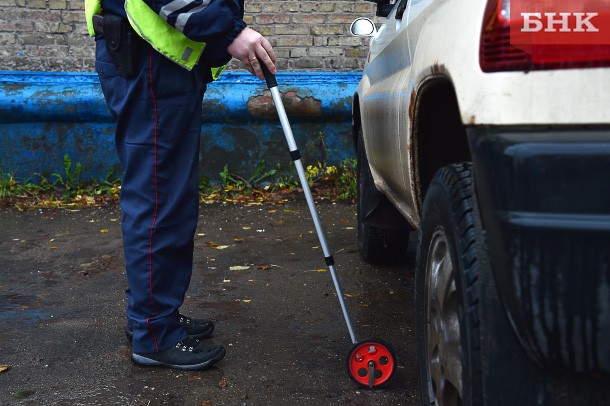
(330, 261)
(269, 77)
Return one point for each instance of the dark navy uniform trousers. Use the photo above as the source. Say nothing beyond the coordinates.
(158, 116)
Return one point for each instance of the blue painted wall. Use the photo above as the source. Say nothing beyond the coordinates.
(44, 116)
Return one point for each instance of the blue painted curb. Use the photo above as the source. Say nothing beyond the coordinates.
(46, 115)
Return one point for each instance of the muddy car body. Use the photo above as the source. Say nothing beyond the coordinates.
(500, 160)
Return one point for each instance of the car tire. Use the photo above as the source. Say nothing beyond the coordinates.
(447, 292)
(383, 233)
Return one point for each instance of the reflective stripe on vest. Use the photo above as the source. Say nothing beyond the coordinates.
(157, 32)
(161, 36)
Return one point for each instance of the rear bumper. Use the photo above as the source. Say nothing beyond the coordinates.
(544, 197)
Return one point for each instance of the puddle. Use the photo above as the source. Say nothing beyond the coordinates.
(21, 309)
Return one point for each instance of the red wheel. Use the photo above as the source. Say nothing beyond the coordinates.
(371, 363)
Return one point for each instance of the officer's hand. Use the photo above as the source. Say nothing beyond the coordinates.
(250, 47)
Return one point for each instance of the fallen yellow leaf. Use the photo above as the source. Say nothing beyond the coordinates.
(104, 230)
(246, 300)
(239, 268)
(216, 246)
(4, 368)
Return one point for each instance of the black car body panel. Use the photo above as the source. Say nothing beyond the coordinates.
(544, 198)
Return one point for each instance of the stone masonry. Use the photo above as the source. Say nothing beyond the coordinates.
(51, 35)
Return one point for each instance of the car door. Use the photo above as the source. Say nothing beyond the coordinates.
(415, 16)
(385, 109)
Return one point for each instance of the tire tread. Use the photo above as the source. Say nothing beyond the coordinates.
(457, 185)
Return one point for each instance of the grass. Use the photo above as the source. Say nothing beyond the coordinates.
(264, 185)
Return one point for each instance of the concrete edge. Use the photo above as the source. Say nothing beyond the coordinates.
(46, 115)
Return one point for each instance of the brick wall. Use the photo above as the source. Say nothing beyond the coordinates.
(51, 35)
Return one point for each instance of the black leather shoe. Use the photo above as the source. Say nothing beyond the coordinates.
(187, 355)
(195, 328)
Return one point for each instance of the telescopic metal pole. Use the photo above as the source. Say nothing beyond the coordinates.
(296, 157)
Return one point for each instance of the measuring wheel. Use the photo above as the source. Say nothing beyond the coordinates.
(371, 363)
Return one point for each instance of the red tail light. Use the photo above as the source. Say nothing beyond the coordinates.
(498, 54)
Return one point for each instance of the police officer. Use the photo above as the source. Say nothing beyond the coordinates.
(154, 58)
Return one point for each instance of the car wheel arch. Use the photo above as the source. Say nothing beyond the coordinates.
(438, 136)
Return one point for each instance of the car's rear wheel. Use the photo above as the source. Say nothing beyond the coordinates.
(383, 234)
(448, 292)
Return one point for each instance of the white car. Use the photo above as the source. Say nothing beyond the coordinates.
(499, 156)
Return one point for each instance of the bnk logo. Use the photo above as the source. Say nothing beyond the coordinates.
(569, 22)
(533, 22)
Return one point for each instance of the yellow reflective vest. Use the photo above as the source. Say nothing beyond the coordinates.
(157, 32)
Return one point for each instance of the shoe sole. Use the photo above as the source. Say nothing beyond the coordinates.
(149, 362)
(200, 336)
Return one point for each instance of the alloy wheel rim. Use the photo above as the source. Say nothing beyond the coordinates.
(443, 333)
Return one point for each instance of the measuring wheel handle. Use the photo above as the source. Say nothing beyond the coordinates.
(371, 363)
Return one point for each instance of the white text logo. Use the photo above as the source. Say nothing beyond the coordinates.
(558, 22)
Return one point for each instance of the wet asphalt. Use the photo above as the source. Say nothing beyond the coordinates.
(259, 273)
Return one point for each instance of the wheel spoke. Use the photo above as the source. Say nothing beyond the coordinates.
(436, 375)
(437, 263)
(445, 278)
(453, 365)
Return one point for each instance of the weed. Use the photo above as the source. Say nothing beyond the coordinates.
(230, 180)
(8, 184)
(204, 184)
(11, 186)
(261, 174)
(286, 182)
(111, 185)
(339, 181)
(264, 184)
(347, 179)
(70, 181)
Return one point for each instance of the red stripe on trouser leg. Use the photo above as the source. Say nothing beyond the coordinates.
(154, 220)
(153, 334)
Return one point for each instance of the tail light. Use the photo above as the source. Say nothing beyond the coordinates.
(498, 54)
